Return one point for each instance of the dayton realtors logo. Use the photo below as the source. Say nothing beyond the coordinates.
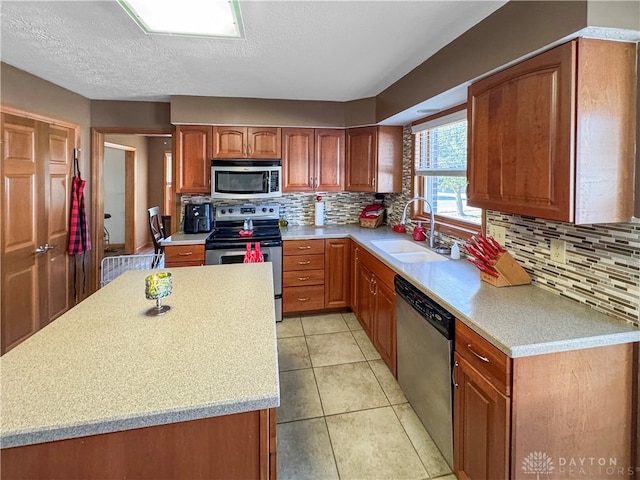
(537, 463)
(541, 464)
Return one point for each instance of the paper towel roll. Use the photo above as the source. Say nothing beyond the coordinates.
(319, 213)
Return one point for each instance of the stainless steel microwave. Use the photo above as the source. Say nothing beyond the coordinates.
(244, 179)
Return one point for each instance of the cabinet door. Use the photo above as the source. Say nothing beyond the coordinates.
(384, 325)
(521, 137)
(297, 159)
(263, 142)
(337, 272)
(481, 426)
(354, 277)
(365, 297)
(193, 165)
(329, 160)
(361, 159)
(229, 142)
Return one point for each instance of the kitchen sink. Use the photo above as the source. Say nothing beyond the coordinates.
(397, 246)
(419, 257)
(407, 251)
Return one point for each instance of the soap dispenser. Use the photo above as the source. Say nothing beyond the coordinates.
(418, 233)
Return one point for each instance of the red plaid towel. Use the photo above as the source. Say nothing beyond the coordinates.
(79, 236)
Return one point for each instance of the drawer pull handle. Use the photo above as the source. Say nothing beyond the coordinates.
(304, 263)
(185, 254)
(303, 279)
(304, 247)
(484, 359)
(304, 299)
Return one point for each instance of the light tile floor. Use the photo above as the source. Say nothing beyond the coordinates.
(342, 415)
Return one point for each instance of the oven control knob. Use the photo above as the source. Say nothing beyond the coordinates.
(223, 211)
(231, 210)
(271, 210)
(264, 209)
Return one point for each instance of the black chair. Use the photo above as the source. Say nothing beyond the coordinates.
(157, 233)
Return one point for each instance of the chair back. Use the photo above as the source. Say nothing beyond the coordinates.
(155, 227)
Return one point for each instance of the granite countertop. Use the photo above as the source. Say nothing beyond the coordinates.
(521, 321)
(180, 238)
(105, 366)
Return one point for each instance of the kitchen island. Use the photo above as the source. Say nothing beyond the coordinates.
(105, 391)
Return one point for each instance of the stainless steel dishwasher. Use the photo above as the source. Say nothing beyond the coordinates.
(425, 353)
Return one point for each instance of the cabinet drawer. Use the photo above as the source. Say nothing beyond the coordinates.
(490, 362)
(302, 262)
(302, 247)
(184, 254)
(298, 299)
(301, 278)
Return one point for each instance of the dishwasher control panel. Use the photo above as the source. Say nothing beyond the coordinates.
(433, 312)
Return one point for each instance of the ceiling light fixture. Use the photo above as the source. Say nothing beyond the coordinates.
(427, 111)
(203, 18)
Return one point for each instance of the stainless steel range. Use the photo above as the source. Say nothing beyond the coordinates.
(225, 245)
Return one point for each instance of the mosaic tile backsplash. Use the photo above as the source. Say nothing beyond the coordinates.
(602, 266)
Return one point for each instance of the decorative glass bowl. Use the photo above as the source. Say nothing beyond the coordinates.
(157, 287)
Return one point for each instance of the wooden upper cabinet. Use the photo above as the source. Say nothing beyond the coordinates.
(297, 159)
(193, 162)
(264, 142)
(552, 137)
(246, 142)
(374, 159)
(329, 160)
(313, 160)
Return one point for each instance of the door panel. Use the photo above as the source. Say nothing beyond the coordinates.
(36, 168)
(60, 154)
(20, 306)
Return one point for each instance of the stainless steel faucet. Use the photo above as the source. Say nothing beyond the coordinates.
(432, 225)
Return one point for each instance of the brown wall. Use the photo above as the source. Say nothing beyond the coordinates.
(259, 111)
(131, 115)
(29, 93)
(510, 33)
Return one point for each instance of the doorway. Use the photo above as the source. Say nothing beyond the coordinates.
(97, 191)
(120, 200)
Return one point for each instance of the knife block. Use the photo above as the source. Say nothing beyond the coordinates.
(511, 273)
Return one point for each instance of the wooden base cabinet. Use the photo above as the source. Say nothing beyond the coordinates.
(337, 264)
(240, 446)
(303, 275)
(512, 415)
(375, 298)
(316, 274)
(183, 256)
(481, 431)
(539, 131)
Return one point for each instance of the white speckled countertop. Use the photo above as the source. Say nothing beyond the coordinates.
(521, 321)
(105, 366)
(185, 239)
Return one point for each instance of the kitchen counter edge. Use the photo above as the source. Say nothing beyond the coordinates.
(558, 325)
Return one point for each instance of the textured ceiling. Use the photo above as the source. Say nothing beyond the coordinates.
(307, 50)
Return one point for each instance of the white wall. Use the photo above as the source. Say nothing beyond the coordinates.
(114, 193)
(142, 237)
